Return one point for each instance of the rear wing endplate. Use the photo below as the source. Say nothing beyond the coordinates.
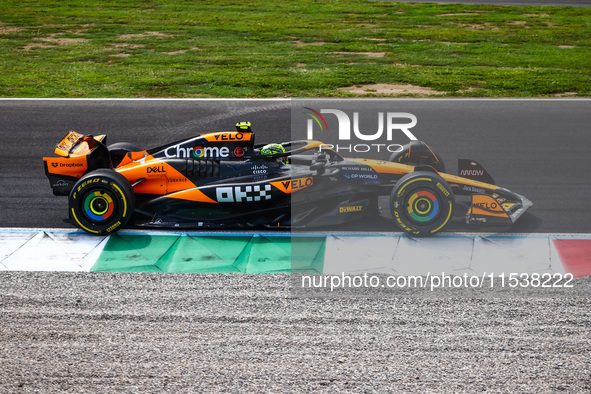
(78, 144)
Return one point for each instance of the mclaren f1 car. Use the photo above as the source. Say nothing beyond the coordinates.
(224, 180)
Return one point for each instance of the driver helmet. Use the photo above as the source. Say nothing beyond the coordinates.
(272, 149)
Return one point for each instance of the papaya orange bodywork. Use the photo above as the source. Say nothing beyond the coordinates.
(74, 166)
(487, 206)
(152, 176)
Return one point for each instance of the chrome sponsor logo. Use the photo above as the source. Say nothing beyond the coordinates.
(199, 152)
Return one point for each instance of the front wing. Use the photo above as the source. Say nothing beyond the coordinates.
(494, 210)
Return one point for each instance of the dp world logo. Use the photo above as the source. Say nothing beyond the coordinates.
(388, 124)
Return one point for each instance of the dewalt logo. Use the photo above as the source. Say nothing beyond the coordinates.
(355, 208)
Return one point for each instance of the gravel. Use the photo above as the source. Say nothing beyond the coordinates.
(106, 332)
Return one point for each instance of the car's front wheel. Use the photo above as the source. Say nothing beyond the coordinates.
(421, 203)
(101, 202)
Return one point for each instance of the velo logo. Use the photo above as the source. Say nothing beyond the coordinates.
(388, 123)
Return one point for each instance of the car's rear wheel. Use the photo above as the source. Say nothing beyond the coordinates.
(421, 203)
(101, 202)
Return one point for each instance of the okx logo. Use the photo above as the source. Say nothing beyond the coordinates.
(390, 126)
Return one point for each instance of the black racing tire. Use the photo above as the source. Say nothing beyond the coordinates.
(118, 150)
(101, 202)
(421, 203)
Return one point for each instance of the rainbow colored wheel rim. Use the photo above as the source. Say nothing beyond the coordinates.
(99, 206)
(423, 206)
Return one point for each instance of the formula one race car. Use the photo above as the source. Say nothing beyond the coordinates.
(224, 180)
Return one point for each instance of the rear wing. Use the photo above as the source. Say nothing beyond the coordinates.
(76, 144)
(78, 154)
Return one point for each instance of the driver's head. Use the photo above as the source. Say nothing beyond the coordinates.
(272, 149)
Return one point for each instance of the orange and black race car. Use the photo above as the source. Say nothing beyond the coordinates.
(224, 180)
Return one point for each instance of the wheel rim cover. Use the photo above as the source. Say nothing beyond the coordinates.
(99, 206)
(423, 206)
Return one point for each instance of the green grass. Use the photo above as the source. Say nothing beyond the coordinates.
(302, 48)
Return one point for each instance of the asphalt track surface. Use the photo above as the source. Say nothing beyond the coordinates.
(106, 332)
(537, 148)
(569, 3)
